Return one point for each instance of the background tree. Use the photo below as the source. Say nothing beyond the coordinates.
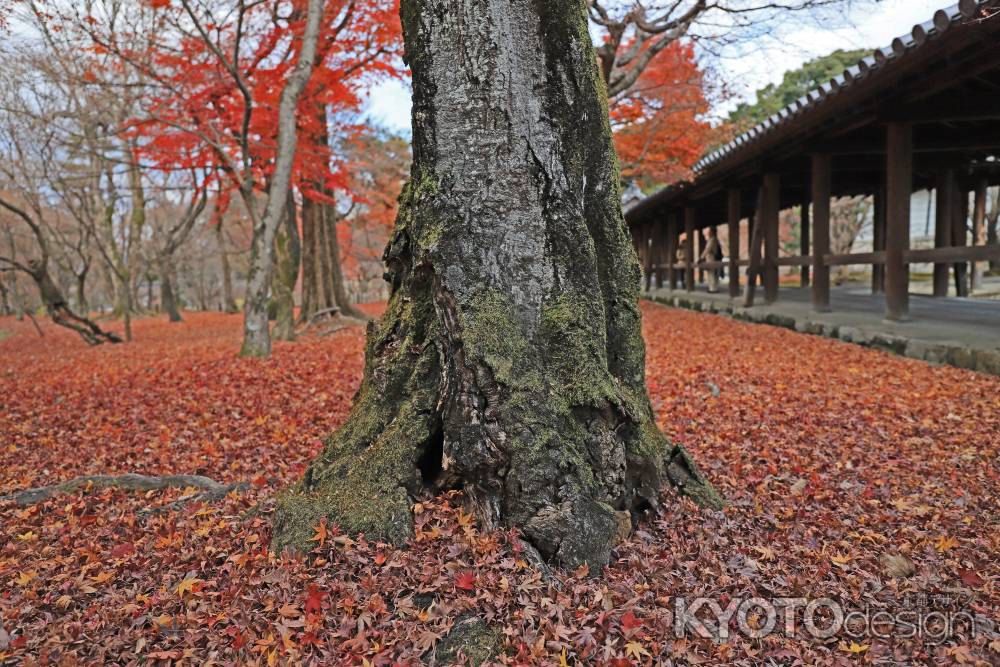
(634, 33)
(659, 122)
(510, 360)
(773, 97)
(218, 91)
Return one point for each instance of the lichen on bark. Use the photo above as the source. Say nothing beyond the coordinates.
(510, 361)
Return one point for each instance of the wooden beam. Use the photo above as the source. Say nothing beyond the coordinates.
(873, 258)
(733, 219)
(795, 260)
(690, 218)
(899, 187)
(952, 255)
(769, 221)
(821, 185)
(945, 192)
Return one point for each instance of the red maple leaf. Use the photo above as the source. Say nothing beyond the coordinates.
(466, 581)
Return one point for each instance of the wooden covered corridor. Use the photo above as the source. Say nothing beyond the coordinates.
(923, 113)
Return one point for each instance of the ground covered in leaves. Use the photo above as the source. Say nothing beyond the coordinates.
(851, 475)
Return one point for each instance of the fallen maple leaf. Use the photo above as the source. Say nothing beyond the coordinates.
(945, 543)
(630, 622)
(854, 647)
(636, 650)
(25, 578)
(188, 585)
(971, 579)
(321, 533)
(466, 581)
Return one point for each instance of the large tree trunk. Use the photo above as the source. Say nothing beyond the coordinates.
(310, 288)
(287, 254)
(336, 276)
(510, 360)
(168, 296)
(323, 284)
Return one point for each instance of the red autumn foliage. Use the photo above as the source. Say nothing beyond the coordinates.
(832, 458)
(195, 113)
(658, 123)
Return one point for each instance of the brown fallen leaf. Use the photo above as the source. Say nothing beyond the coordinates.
(897, 566)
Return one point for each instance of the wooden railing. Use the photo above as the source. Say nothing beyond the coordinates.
(921, 256)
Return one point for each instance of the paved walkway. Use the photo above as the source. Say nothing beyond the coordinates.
(959, 332)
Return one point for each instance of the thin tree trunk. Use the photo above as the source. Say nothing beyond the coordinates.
(59, 310)
(81, 291)
(5, 308)
(287, 254)
(510, 361)
(256, 335)
(228, 302)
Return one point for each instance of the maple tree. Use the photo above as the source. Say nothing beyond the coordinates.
(659, 125)
(217, 77)
(891, 458)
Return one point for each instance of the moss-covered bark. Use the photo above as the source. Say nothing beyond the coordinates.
(510, 361)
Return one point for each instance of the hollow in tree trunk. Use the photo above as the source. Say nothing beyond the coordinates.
(510, 360)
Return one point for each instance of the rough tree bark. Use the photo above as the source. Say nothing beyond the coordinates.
(510, 360)
(287, 252)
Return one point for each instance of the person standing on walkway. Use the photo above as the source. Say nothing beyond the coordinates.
(712, 253)
(682, 260)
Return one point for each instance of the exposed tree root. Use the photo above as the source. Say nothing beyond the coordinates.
(210, 489)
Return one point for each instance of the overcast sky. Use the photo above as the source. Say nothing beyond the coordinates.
(871, 27)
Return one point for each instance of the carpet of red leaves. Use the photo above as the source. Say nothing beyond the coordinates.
(832, 458)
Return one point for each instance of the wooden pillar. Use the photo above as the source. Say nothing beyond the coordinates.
(769, 220)
(979, 230)
(733, 220)
(822, 174)
(689, 223)
(899, 188)
(699, 249)
(878, 239)
(804, 235)
(662, 258)
(754, 251)
(942, 226)
(671, 259)
(960, 238)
